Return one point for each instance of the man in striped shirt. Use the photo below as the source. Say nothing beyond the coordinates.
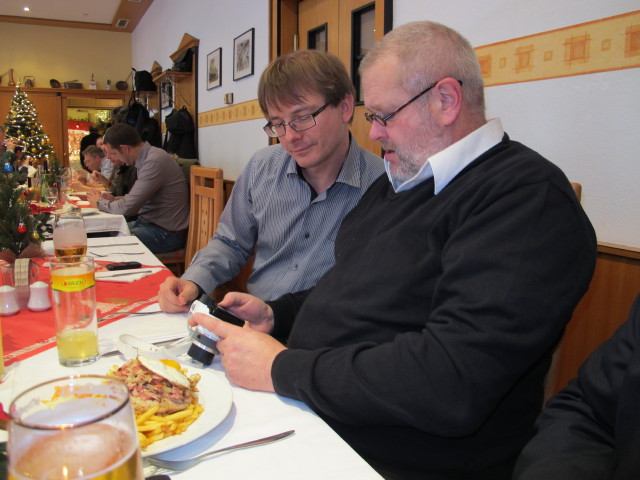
(289, 201)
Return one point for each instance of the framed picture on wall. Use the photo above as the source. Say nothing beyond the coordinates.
(243, 55)
(214, 69)
(166, 95)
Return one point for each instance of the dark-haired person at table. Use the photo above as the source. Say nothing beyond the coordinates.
(159, 196)
(289, 201)
(591, 429)
(426, 345)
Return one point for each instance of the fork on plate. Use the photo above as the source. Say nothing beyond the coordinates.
(180, 465)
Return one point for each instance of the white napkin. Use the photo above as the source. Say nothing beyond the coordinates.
(126, 276)
(82, 203)
(73, 198)
(151, 328)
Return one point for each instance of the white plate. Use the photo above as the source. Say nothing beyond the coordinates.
(88, 211)
(216, 398)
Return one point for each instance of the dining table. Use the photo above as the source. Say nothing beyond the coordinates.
(128, 309)
(97, 222)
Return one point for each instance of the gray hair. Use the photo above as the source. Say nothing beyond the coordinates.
(429, 52)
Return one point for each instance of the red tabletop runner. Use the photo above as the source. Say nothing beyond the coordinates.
(28, 333)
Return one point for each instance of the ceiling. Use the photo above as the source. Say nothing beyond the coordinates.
(111, 15)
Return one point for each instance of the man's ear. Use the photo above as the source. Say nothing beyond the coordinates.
(346, 107)
(449, 98)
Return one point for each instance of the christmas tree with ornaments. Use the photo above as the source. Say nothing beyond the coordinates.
(21, 229)
(22, 123)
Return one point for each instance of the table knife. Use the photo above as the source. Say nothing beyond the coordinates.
(113, 245)
(133, 272)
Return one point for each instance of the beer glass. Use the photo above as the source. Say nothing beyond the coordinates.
(69, 235)
(74, 428)
(74, 306)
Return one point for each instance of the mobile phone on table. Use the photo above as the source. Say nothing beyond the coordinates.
(123, 265)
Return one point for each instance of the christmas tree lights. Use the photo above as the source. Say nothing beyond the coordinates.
(22, 123)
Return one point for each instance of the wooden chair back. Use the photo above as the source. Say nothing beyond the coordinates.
(207, 202)
(577, 187)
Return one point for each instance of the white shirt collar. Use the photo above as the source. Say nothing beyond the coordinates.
(446, 164)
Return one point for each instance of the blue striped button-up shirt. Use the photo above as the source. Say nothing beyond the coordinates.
(273, 212)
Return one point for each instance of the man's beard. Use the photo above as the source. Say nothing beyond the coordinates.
(414, 155)
(411, 161)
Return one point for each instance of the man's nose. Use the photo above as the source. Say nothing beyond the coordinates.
(377, 131)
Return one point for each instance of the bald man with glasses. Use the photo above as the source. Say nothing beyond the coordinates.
(426, 345)
(289, 201)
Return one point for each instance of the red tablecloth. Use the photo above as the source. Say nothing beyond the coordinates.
(28, 333)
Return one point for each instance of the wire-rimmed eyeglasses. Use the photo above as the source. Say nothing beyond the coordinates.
(382, 119)
(305, 122)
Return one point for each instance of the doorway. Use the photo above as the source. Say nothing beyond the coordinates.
(81, 114)
(346, 28)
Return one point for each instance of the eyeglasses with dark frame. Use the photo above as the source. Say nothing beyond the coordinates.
(382, 119)
(305, 122)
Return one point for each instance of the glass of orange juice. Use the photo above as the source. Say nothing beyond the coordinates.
(74, 307)
(74, 428)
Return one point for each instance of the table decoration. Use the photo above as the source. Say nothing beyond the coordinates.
(21, 231)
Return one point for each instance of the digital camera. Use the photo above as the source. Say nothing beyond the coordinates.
(203, 342)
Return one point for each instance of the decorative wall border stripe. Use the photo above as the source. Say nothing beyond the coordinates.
(606, 44)
(240, 112)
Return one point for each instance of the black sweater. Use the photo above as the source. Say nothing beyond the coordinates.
(426, 345)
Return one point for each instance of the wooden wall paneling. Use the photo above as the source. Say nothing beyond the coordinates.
(51, 107)
(48, 108)
(605, 306)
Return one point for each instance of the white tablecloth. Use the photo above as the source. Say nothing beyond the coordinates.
(314, 452)
(106, 222)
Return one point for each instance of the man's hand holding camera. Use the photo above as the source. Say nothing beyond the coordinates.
(247, 352)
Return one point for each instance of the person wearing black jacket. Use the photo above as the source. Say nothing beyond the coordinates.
(591, 429)
(426, 345)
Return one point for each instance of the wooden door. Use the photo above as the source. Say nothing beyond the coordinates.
(332, 24)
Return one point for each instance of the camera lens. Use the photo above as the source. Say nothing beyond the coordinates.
(203, 345)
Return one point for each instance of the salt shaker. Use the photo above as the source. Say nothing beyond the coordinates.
(8, 302)
(39, 297)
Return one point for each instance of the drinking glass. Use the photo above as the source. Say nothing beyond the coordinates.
(74, 307)
(74, 428)
(52, 196)
(69, 235)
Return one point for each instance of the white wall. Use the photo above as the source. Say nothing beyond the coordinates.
(215, 24)
(587, 124)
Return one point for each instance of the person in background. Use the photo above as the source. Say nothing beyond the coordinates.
(86, 141)
(26, 168)
(122, 178)
(159, 196)
(591, 429)
(289, 201)
(94, 159)
(426, 345)
(10, 144)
